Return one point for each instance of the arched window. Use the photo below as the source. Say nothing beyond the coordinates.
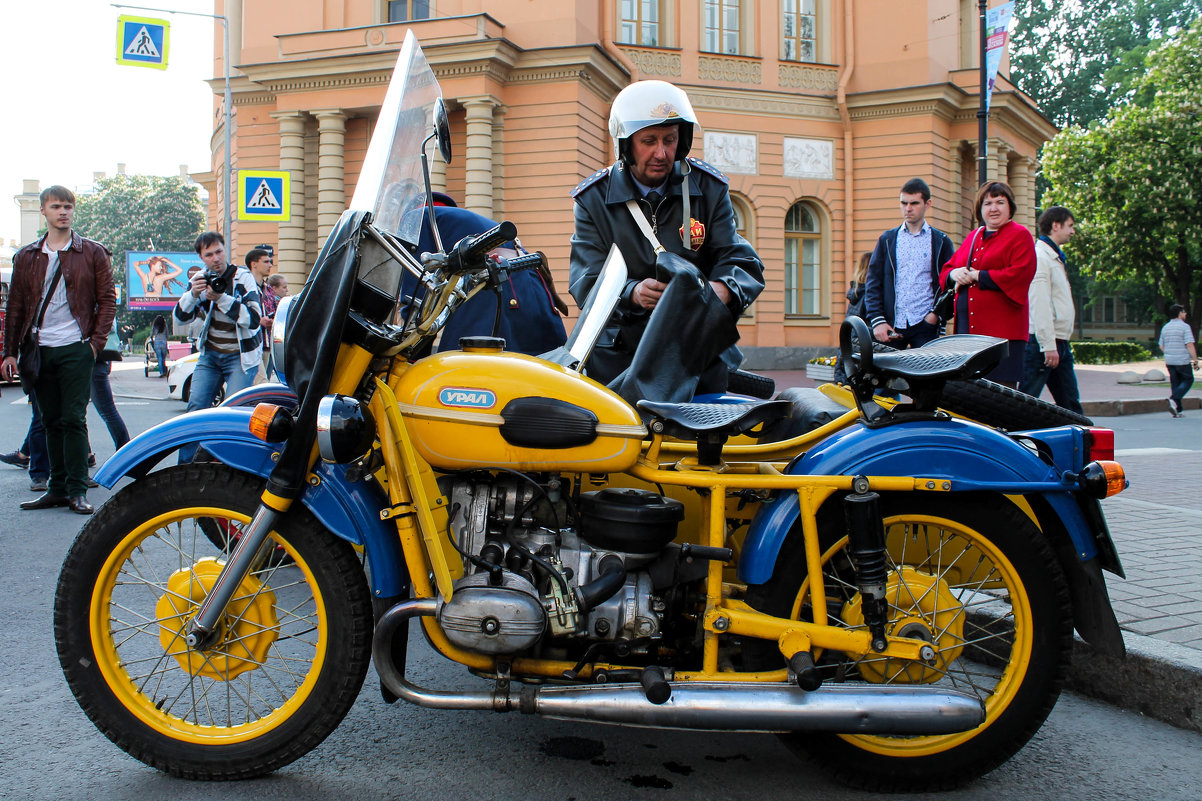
(803, 262)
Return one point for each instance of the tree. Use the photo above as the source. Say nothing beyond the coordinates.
(140, 212)
(1079, 58)
(1134, 181)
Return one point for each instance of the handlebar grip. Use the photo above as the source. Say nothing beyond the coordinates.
(472, 249)
(530, 261)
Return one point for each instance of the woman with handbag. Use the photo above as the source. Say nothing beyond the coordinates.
(992, 273)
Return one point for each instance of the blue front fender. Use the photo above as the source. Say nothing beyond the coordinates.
(971, 457)
(349, 510)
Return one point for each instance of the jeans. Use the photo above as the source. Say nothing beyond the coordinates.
(35, 443)
(1060, 380)
(915, 336)
(63, 387)
(212, 370)
(102, 401)
(1181, 380)
(160, 350)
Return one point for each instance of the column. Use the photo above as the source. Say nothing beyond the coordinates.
(478, 161)
(331, 183)
(1024, 199)
(438, 171)
(291, 255)
(955, 192)
(498, 160)
(997, 158)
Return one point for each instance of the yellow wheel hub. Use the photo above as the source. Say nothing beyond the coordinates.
(921, 606)
(246, 632)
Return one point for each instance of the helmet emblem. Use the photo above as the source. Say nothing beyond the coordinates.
(665, 111)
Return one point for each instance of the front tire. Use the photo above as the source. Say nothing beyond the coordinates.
(976, 578)
(294, 647)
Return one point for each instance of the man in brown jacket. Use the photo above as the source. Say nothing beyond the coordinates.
(78, 277)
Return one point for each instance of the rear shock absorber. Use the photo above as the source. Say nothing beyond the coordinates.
(866, 548)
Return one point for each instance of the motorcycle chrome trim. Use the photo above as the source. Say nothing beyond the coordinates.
(230, 578)
(751, 707)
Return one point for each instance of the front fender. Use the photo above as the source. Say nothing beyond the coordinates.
(349, 510)
(971, 457)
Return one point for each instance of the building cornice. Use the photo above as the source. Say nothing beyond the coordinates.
(768, 104)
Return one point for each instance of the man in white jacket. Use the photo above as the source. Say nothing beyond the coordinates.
(1049, 360)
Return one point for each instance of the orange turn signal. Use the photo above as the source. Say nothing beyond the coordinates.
(270, 423)
(1102, 479)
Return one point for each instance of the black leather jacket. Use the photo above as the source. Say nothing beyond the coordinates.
(602, 219)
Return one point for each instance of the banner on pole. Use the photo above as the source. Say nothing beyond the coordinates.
(143, 42)
(997, 36)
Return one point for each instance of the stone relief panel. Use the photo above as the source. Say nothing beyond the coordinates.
(809, 158)
(817, 79)
(723, 68)
(654, 62)
(731, 152)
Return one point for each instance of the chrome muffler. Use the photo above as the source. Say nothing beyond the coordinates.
(728, 706)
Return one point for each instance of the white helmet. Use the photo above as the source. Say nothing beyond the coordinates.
(647, 103)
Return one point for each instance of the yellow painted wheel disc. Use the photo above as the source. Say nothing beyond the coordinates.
(273, 636)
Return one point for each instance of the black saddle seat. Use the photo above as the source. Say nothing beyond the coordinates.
(955, 357)
(711, 423)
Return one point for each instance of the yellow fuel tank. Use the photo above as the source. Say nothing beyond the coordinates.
(486, 408)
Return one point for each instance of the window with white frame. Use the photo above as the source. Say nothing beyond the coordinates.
(639, 23)
(803, 262)
(798, 30)
(724, 27)
(408, 10)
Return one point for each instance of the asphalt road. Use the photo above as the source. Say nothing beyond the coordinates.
(49, 750)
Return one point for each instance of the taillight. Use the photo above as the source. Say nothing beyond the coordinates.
(1101, 445)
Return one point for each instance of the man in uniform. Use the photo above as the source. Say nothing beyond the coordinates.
(684, 205)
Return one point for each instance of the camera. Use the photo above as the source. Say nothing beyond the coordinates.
(216, 280)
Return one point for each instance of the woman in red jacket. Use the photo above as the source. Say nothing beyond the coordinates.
(992, 272)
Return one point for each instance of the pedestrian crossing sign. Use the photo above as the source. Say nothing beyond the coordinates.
(142, 42)
(264, 195)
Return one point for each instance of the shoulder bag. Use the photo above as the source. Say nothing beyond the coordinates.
(29, 356)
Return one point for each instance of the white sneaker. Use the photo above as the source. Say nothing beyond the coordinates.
(1173, 409)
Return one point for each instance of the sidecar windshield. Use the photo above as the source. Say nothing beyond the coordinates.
(391, 185)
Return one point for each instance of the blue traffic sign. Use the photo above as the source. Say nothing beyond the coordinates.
(143, 42)
(264, 195)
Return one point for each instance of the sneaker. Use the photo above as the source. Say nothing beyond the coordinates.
(37, 485)
(16, 459)
(91, 459)
(1173, 409)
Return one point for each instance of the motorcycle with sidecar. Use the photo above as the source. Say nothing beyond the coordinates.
(893, 590)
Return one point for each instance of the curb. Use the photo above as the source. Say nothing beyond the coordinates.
(1114, 408)
(1161, 680)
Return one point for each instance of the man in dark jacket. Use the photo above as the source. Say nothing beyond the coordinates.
(76, 275)
(903, 274)
(685, 204)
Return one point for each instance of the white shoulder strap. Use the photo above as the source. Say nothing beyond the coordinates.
(644, 226)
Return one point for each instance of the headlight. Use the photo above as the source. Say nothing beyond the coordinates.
(279, 335)
(345, 429)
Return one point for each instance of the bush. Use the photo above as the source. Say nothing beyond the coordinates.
(1108, 352)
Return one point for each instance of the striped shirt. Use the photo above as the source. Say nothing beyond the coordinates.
(239, 309)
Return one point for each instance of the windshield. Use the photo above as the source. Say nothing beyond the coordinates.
(390, 184)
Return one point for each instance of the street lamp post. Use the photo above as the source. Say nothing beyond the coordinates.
(982, 112)
(227, 182)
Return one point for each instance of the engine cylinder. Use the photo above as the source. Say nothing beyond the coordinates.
(488, 619)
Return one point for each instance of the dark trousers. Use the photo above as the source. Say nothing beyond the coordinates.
(1060, 380)
(63, 387)
(915, 336)
(1181, 379)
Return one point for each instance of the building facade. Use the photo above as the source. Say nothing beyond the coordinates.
(817, 110)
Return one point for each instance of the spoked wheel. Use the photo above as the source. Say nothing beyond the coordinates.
(976, 579)
(293, 645)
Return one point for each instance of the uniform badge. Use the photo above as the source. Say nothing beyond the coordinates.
(696, 234)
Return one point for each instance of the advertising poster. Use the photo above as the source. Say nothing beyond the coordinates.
(157, 279)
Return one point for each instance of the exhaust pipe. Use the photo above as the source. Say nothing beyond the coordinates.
(729, 706)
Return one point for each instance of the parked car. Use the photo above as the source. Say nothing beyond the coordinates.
(179, 378)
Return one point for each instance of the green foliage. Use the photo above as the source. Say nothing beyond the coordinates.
(140, 212)
(1134, 182)
(1109, 352)
(1079, 59)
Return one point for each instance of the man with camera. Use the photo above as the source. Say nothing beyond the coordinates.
(227, 298)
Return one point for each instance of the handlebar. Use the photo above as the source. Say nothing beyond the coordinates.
(531, 261)
(467, 254)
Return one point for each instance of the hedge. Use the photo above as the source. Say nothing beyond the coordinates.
(1109, 352)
